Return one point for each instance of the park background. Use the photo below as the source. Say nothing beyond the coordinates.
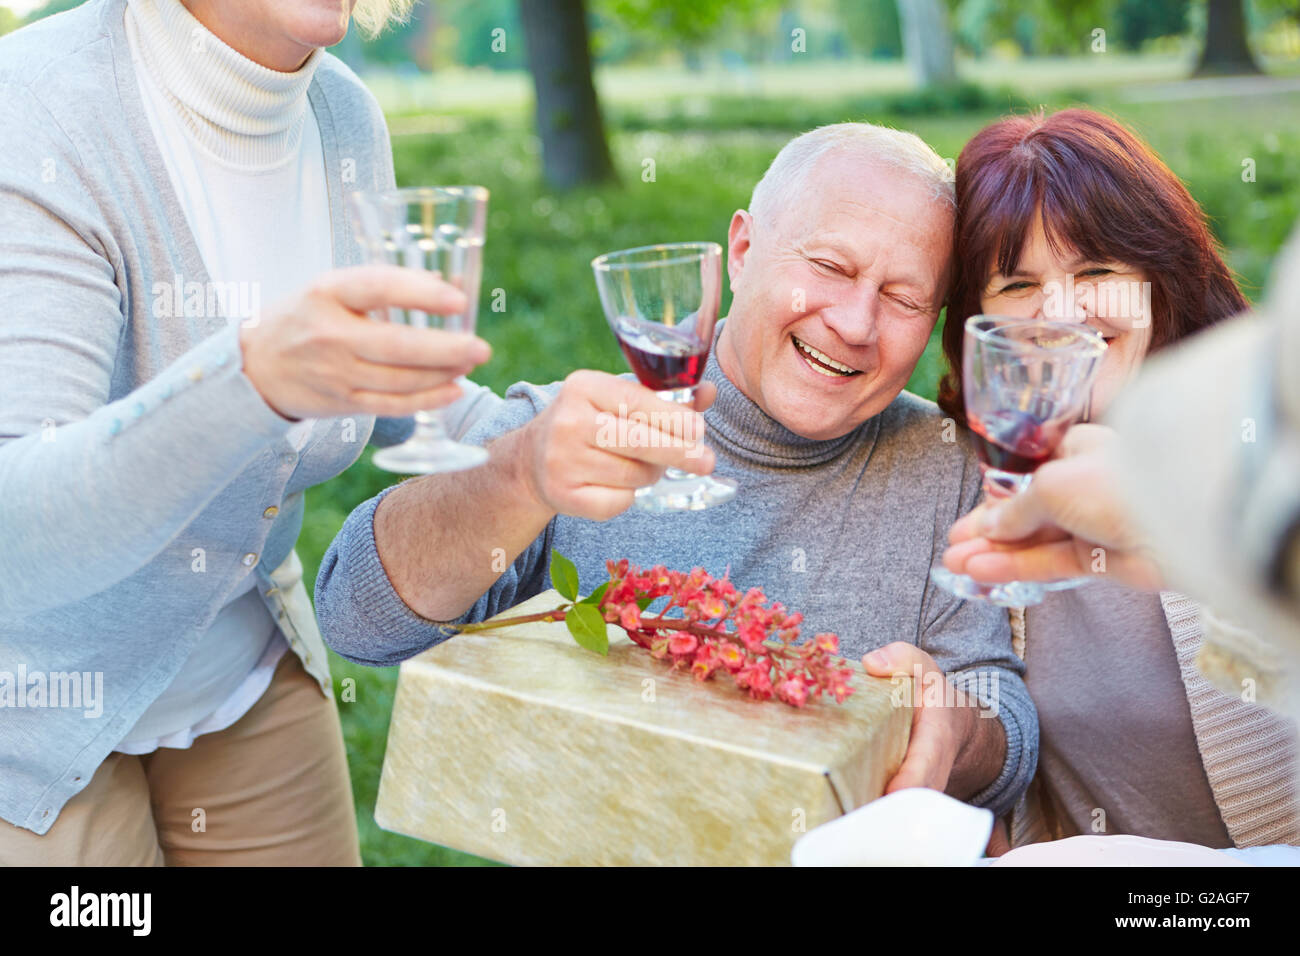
(604, 124)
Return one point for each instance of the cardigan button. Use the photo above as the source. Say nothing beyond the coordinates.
(250, 559)
(271, 512)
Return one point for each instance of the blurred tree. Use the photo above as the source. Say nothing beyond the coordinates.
(1278, 9)
(1043, 26)
(927, 41)
(681, 22)
(1036, 26)
(1225, 51)
(9, 21)
(1050, 27)
(686, 25)
(477, 23)
(970, 22)
(871, 26)
(884, 31)
(574, 148)
(1142, 20)
(557, 36)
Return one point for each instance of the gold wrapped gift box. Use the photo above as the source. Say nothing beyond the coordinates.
(519, 746)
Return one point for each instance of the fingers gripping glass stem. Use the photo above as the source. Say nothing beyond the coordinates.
(662, 304)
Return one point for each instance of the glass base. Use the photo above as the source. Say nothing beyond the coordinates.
(420, 456)
(1066, 584)
(683, 492)
(1006, 594)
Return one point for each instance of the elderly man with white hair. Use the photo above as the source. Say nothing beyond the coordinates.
(848, 484)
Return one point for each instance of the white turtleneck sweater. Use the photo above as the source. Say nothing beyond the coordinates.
(243, 154)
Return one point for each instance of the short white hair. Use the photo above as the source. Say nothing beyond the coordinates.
(895, 148)
(373, 15)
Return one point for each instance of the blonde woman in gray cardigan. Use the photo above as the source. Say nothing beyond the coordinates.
(183, 351)
(1068, 216)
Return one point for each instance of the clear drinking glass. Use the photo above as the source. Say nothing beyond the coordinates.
(1026, 381)
(439, 229)
(662, 303)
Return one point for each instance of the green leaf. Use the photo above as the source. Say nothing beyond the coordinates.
(564, 575)
(595, 596)
(643, 603)
(588, 628)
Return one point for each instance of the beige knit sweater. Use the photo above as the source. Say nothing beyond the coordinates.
(1250, 753)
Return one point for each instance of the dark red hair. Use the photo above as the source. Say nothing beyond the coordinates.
(1104, 194)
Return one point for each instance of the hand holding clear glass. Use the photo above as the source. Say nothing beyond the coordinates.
(662, 303)
(439, 229)
(1026, 381)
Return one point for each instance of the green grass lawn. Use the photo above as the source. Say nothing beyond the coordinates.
(707, 153)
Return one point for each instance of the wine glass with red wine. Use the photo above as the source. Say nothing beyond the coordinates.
(1026, 381)
(662, 303)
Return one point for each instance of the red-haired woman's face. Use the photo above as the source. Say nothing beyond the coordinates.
(1058, 285)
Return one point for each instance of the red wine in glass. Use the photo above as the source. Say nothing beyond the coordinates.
(661, 358)
(662, 304)
(1025, 381)
(1016, 441)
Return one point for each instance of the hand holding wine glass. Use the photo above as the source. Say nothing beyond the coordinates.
(1054, 528)
(662, 304)
(573, 458)
(440, 230)
(314, 356)
(1025, 382)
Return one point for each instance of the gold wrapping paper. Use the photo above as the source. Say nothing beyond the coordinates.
(520, 746)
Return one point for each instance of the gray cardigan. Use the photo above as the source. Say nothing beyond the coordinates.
(141, 474)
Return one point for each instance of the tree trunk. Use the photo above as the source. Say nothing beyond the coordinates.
(1226, 51)
(927, 41)
(574, 150)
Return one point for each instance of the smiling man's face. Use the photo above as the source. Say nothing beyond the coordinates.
(835, 300)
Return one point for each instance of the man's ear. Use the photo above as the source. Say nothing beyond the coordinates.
(738, 238)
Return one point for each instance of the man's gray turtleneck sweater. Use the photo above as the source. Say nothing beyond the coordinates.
(844, 531)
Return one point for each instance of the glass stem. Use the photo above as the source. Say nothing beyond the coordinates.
(1003, 484)
(428, 427)
(682, 396)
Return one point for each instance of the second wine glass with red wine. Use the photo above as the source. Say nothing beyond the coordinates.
(662, 303)
(1025, 382)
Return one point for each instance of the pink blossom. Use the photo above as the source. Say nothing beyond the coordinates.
(731, 632)
(793, 690)
(731, 657)
(682, 643)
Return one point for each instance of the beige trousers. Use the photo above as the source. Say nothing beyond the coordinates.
(272, 789)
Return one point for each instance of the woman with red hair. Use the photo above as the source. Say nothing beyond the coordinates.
(1072, 216)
